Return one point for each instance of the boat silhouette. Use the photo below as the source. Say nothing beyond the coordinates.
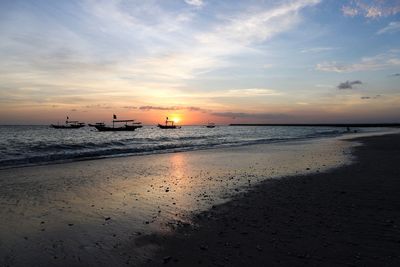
(168, 125)
(210, 125)
(101, 127)
(69, 125)
(96, 124)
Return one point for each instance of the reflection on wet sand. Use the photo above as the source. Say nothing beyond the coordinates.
(97, 212)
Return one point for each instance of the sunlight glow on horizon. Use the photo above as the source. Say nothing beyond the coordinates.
(175, 120)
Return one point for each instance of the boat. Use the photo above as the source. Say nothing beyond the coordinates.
(97, 124)
(69, 125)
(101, 127)
(168, 125)
(210, 125)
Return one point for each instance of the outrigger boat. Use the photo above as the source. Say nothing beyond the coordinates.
(96, 124)
(101, 127)
(168, 125)
(210, 125)
(69, 125)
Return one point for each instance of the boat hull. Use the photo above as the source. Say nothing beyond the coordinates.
(168, 126)
(116, 129)
(97, 124)
(66, 126)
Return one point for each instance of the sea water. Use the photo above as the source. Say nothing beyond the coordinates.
(35, 145)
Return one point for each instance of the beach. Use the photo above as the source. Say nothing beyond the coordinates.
(349, 216)
(308, 202)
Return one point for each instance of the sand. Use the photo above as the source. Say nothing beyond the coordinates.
(222, 207)
(347, 217)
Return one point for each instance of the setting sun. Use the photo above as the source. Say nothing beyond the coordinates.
(176, 119)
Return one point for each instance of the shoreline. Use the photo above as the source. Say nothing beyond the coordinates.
(41, 160)
(109, 211)
(348, 216)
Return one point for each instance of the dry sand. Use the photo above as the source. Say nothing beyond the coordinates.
(347, 217)
(213, 207)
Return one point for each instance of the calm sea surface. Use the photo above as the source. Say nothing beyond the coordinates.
(34, 145)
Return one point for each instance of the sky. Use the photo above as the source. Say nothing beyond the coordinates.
(226, 61)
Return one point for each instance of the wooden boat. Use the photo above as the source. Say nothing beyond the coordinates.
(168, 125)
(68, 125)
(97, 124)
(210, 125)
(101, 127)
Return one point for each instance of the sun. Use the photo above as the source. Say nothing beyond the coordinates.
(176, 119)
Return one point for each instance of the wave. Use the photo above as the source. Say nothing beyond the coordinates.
(43, 152)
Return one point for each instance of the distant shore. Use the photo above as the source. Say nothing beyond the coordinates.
(354, 125)
(346, 217)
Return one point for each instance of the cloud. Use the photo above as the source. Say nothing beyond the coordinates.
(394, 75)
(349, 11)
(317, 49)
(196, 3)
(251, 92)
(257, 26)
(140, 48)
(392, 27)
(371, 9)
(129, 107)
(147, 108)
(266, 116)
(189, 108)
(377, 62)
(369, 97)
(232, 93)
(99, 106)
(167, 40)
(348, 84)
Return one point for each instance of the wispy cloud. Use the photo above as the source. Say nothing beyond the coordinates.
(252, 92)
(142, 48)
(189, 108)
(318, 49)
(350, 11)
(170, 43)
(377, 62)
(392, 27)
(260, 25)
(129, 107)
(394, 75)
(233, 93)
(265, 116)
(370, 97)
(196, 3)
(348, 84)
(99, 106)
(371, 8)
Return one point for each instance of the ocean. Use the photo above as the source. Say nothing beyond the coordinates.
(36, 145)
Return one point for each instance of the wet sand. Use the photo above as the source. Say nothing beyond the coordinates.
(212, 207)
(349, 216)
